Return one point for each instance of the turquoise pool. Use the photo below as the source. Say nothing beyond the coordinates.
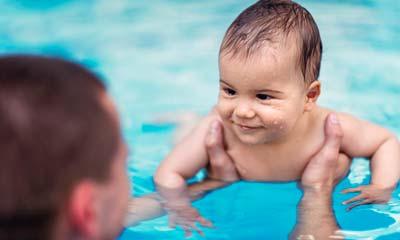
(160, 56)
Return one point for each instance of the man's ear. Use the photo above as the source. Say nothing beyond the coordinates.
(312, 94)
(81, 212)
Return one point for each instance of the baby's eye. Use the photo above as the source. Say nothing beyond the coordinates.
(262, 96)
(229, 91)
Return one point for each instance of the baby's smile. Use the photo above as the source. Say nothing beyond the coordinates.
(247, 128)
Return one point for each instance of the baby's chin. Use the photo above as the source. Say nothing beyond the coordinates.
(251, 139)
(257, 139)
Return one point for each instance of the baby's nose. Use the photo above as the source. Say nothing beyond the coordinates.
(244, 110)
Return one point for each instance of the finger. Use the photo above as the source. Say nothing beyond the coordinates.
(213, 138)
(215, 146)
(325, 161)
(333, 131)
(195, 228)
(354, 199)
(171, 222)
(221, 164)
(172, 225)
(187, 231)
(343, 166)
(204, 222)
(351, 190)
(196, 194)
(365, 201)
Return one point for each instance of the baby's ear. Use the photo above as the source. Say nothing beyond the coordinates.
(312, 94)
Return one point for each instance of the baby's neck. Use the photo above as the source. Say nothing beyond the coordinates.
(301, 129)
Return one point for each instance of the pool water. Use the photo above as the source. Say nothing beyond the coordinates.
(160, 57)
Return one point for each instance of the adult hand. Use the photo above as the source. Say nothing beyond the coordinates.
(221, 166)
(321, 172)
(221, 172)
(315, 218)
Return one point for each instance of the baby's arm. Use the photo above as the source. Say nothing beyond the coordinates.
(185, 160)
(223, 173)
(364, 139)
(149, 206)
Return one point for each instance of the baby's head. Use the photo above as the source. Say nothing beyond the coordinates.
(269, 66)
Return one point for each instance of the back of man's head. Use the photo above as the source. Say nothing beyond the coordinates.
(54, 132)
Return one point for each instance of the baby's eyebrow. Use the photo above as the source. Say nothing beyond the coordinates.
(257, 90)
(270, 90)
(222, 81)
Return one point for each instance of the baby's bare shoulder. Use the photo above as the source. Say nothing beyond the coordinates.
(345, 119)
(360, 137)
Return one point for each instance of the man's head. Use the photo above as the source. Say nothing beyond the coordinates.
(269, 65)
(62, 165)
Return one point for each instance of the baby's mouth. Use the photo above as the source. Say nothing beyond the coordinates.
(246, 127)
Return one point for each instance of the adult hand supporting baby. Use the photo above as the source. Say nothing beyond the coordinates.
(315, 217)
(221, 165)
(221, 172)
(320, 173)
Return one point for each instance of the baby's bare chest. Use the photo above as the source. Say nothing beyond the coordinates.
(268, 168)
(284, 163)
(270, 165)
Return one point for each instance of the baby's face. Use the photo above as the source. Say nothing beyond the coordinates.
(261, 98)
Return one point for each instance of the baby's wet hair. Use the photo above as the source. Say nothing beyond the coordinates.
(267, 21)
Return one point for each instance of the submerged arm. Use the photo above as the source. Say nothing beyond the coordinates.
(315, 216)
(222, 173)
(364, 139)
(186, 159)
(149, 206)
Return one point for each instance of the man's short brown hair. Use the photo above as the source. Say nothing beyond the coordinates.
(54, 132)
(268, 21)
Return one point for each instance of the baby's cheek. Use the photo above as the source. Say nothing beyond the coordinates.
(278, 126)
(223, 109)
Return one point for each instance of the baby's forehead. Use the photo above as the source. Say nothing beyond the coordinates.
(289, 41)
(285, 46)
(280, 52)
(273, 62)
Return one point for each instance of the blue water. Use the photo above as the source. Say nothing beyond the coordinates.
(160, 56)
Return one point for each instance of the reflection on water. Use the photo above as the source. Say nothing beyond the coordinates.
(161, 56)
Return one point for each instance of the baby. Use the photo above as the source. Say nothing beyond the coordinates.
(269, 64)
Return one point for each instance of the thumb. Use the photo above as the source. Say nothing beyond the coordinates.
(214, 142)
(333, 132)
(323, 164)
